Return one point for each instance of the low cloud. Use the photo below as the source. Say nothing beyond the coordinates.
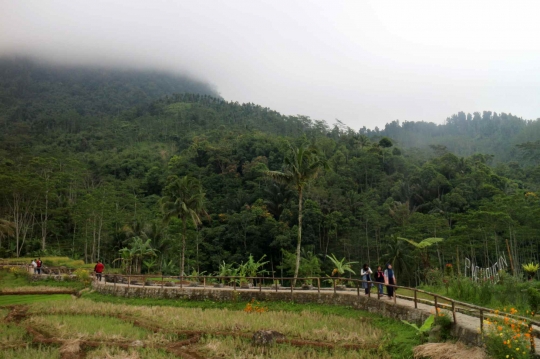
(365, 63)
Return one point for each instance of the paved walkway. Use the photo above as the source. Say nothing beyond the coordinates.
(468, 321)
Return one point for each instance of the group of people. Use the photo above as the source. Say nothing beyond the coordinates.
(36, 264)
(383, 278)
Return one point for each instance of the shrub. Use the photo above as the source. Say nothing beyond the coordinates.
(444, 320)
(434, 277)
(18, 272)
(507, 338)
(534, 299)
(82, 275)
(463, 288)
(486, 292)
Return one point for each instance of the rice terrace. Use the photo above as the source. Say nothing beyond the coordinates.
(72, 315)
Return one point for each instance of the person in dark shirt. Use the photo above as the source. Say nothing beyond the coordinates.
(379, 278)
(390, 278)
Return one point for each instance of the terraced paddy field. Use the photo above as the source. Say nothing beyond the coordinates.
(91, 327)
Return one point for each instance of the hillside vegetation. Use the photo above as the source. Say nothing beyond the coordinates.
(87, 182)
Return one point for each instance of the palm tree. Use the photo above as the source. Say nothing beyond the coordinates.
(184, 199)
(301, 166)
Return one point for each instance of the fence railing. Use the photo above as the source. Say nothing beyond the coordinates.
(335, 284)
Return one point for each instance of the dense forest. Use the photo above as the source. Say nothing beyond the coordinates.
(504, 137)
(90, 161)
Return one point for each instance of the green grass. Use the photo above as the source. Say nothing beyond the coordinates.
(399, 339)
(10, 333)
(31, 353)
(40, 352)
(28, 299)
(9, 280)
(410, 293)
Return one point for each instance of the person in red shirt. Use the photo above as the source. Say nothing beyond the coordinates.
(99, 270)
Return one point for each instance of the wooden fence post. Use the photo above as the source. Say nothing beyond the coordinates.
(415, 299)
(481, 320)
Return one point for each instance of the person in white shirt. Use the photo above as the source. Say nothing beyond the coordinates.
(34, 265)
(366, 276)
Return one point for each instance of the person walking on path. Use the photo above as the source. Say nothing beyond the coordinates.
(98, 269)
(379, 278)
(366, 276)
(389, 279)
(34, 265)
(38, 265)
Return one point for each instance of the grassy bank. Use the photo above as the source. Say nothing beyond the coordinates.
(10, 281)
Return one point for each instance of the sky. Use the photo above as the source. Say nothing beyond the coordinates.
(365, 63)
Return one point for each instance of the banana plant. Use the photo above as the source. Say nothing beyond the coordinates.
(423, 330)
(340, 266)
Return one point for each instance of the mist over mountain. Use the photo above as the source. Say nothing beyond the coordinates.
(30, 88)
(501, 136)
(51, 96)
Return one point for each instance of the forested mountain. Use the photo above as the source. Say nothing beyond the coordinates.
(503, 136)
(31, 90)
(88, 184)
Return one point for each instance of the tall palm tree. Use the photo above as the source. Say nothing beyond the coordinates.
(302, 165)
(184, 199)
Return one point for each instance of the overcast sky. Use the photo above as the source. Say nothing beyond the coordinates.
(365, 63)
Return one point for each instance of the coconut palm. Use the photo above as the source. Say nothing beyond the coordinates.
(302, 165)
(184, 199)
